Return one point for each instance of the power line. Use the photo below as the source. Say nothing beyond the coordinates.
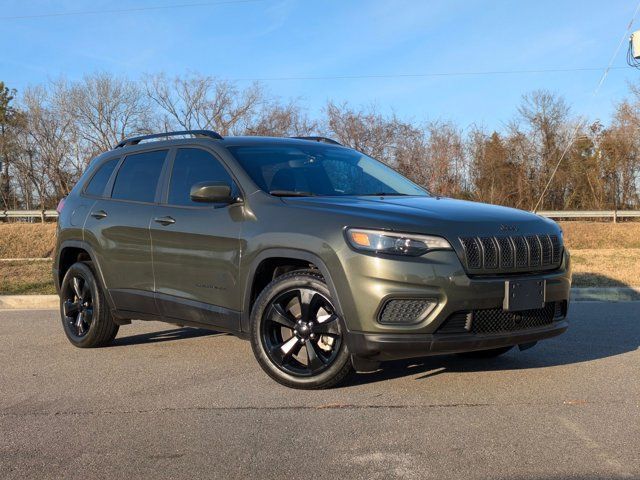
(423, 75)
(384, 76)
(129, 10)
(595, 94)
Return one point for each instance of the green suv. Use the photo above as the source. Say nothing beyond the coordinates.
(326, 260)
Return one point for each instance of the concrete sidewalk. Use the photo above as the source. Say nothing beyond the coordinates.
(597, 294)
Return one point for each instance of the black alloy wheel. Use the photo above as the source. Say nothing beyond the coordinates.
(78, 306)
(86, 317)
(301, 332)
(297, 334)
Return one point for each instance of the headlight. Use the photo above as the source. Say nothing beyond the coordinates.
(393, 243)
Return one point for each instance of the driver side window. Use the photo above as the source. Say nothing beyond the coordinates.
(191, 166)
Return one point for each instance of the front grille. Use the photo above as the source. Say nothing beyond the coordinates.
(405, 311)
(496, 320)
(504, 254)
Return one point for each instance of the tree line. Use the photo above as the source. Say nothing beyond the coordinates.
(50, 132)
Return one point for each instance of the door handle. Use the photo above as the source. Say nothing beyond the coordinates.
(164, 220)
(99, 214)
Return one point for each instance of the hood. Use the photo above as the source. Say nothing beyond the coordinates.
(430, 215)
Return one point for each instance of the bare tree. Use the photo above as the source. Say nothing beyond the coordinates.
(105, 109)
(365, 130)
(203, 102)
(281, 120)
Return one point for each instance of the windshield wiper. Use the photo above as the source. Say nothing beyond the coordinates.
(290, 193)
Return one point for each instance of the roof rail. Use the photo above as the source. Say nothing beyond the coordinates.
(320, 139)
(196, 133)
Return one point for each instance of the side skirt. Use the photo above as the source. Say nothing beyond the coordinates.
(140, 305)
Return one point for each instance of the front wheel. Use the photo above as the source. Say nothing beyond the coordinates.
(297, 336)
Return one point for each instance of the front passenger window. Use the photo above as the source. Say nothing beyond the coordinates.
(138, 176)
(191, 166)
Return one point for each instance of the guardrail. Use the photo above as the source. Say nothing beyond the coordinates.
(44, 214)
(41, 214)
(590, 214)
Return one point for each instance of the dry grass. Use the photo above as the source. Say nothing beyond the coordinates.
(27, 240)
(606, 267)
(604, 254)
(579, 235)
(591, 268)
(31, 240)
(23, 277)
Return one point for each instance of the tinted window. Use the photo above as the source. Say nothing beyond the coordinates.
(138, 176)
(99, 180)
(192, 166)
(320, 170)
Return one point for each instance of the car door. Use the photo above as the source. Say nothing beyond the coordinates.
(196, 246)
(117, 228)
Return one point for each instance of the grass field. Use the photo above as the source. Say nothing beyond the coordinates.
(603, 254)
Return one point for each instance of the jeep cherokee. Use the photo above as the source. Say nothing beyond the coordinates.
(327, 260)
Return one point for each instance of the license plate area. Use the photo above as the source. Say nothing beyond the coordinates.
(524, 295)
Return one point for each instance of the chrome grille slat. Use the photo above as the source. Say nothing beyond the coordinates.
(516, 253)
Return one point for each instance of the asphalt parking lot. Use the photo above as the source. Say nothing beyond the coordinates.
(164, 402)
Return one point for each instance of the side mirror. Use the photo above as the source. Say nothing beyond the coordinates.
(211, 192)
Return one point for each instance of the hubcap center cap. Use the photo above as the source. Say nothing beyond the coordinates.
(303, 330)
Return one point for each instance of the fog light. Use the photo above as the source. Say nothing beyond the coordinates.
(406, 311)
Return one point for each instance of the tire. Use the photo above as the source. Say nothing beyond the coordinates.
(84, 311)
(494, 352)
(309, 354)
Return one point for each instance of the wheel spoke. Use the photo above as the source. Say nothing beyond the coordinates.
(305, 298)
(290, 347)
(77, 287)
(86, 293)
(70, 308)
(279, 315)
(315, 362)
(79, 323)
(327, 324)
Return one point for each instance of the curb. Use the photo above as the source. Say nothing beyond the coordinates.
(582, 294)
(602, 294)
(29, 302)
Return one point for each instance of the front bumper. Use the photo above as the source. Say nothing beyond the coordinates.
(438, 276)
(370, 281)
(389, 346)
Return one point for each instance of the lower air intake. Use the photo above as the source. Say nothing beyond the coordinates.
(496, 320)
(405, 311)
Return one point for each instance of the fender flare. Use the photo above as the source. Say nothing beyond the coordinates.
(92, 255)
(295, 254)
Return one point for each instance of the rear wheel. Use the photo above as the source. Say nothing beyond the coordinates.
(86, 318)
(297, 335)
(494, 352)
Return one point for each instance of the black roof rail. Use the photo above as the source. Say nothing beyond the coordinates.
(196, 133)
(320, 139)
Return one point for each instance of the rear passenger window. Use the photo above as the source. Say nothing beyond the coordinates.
(99, 180)
(138, 176)
(191, 166)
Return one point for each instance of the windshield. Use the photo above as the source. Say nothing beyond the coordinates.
(300, 170)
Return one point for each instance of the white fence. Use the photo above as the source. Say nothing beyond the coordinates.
(569, 214)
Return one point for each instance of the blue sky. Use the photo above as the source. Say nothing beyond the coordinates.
(293, 38)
